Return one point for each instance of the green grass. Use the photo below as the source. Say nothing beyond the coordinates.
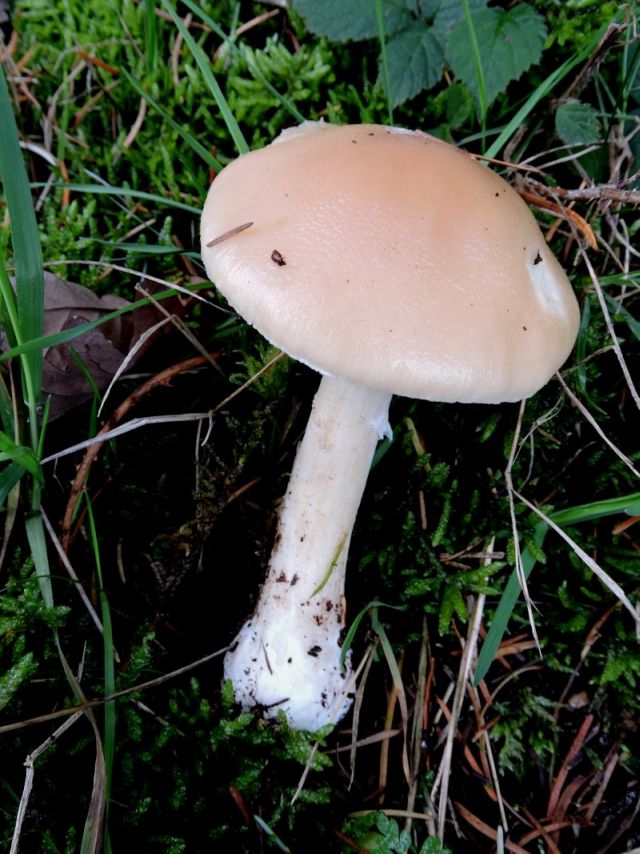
(171, 534)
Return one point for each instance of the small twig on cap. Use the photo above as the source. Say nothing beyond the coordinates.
(231, 233)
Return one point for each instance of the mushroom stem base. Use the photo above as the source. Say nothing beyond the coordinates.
(287, 656)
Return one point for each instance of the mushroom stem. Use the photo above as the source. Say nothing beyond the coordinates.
(287, 656)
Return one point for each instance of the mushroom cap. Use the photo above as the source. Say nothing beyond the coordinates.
(393, 260)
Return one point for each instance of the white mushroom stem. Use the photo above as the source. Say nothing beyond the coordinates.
(287, 656)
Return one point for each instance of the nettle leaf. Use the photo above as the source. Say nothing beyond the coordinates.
(416, 62)
(578, 124)
(447, 13)
(509, 43)
(352, 20)
(455, 104)
(415, 31)
(459, 105)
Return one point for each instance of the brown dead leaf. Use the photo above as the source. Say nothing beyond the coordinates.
(100, 351)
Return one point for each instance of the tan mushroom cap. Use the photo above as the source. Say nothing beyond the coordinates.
(393, 260)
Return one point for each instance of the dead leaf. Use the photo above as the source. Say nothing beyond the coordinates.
(99, 352)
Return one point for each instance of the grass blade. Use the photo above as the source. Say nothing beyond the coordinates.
(353, 628)
(262, 824)
(27, 253)
(629, 504)
(9, 476)
(184, 134)
(65, 335)
(206, 19)
(203, 64)
(38, 546)
(22, 455)
(146, 248)
(482, 92)
(106, 190)
(383, 58)
(150, 35)
(541, 92)
(505, 608)
(108, 655)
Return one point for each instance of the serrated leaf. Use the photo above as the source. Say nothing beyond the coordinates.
(416, 62)
(509, 43)
(447, 13)
(458, 105)
(578, 124)
(351, 20)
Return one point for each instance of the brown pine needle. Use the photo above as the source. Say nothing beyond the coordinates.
(574, 750)
(579, 222)
(486, 830)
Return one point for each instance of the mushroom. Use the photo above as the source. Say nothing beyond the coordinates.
(392, 263)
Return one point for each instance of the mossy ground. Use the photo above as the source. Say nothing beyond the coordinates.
(184, 529)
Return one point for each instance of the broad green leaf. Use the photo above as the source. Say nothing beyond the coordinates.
(578, 124)
(415, 34)
(509, 43)
(416, 62)
(446, 14)
(541, 91)
(351, 20)
(458, 104)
